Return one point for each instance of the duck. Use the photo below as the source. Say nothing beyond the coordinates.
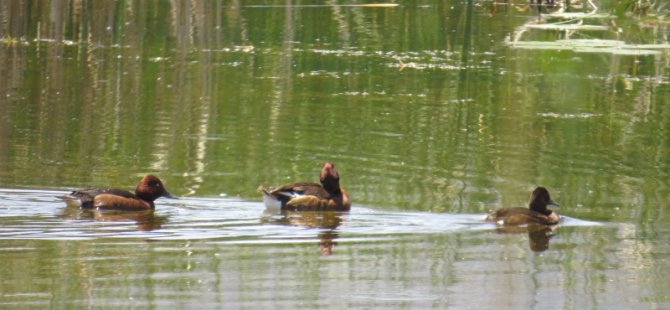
(536, 213)
(309, 196)
(148, 189)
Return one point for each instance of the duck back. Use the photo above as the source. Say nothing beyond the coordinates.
(521, 216)
(84, 197)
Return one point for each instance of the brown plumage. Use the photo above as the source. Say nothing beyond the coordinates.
(148, 189)
(536, 212)
(304, 196)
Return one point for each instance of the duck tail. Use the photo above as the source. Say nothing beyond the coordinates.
(271, 202)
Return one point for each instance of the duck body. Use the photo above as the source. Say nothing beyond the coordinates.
(536, 213)
(148, 189)
(309, 196)
(84, 198)
(521, 216)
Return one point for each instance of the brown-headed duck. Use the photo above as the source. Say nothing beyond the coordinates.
(536, 212)
(308, 196)
(148, 189)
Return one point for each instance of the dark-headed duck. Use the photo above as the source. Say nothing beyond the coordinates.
(307, 196)
(149, 189)
(536, 212)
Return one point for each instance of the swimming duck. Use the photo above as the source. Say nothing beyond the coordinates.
(536, 212)
(304, 196)
(148, 189)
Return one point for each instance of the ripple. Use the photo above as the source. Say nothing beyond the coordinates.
(568, 115)
(39, 214)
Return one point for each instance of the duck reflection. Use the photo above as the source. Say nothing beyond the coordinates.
(538, 235)
(326, 221)
(146, 219)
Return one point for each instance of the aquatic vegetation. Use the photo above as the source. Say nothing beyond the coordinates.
(594, 46)
(576, 31)
(642, 8)
(9, 40)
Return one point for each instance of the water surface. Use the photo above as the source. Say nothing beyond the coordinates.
(209, 251)
(434, 113)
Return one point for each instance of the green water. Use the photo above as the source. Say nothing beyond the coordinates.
(431, 117)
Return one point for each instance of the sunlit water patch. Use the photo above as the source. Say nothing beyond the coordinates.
(442, 60)
(568, 115)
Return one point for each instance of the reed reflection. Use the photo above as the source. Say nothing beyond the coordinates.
(146, 220)
(325, 221)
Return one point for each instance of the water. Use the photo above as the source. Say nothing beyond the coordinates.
(431, 115)
(209, 251)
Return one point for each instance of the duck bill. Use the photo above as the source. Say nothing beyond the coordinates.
(553, 203)
(168, 195)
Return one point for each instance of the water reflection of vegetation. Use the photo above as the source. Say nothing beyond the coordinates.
(222, 98)
(644, 8)
(215, 94)
(576, 29)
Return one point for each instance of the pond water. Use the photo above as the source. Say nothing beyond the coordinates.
(434, 113)
(213, 251)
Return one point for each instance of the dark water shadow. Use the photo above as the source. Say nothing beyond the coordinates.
(325, 221)
(538, 235)
(146, 220)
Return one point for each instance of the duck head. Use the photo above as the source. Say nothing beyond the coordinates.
(330, 179)
(540, 199)
(151, 188)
